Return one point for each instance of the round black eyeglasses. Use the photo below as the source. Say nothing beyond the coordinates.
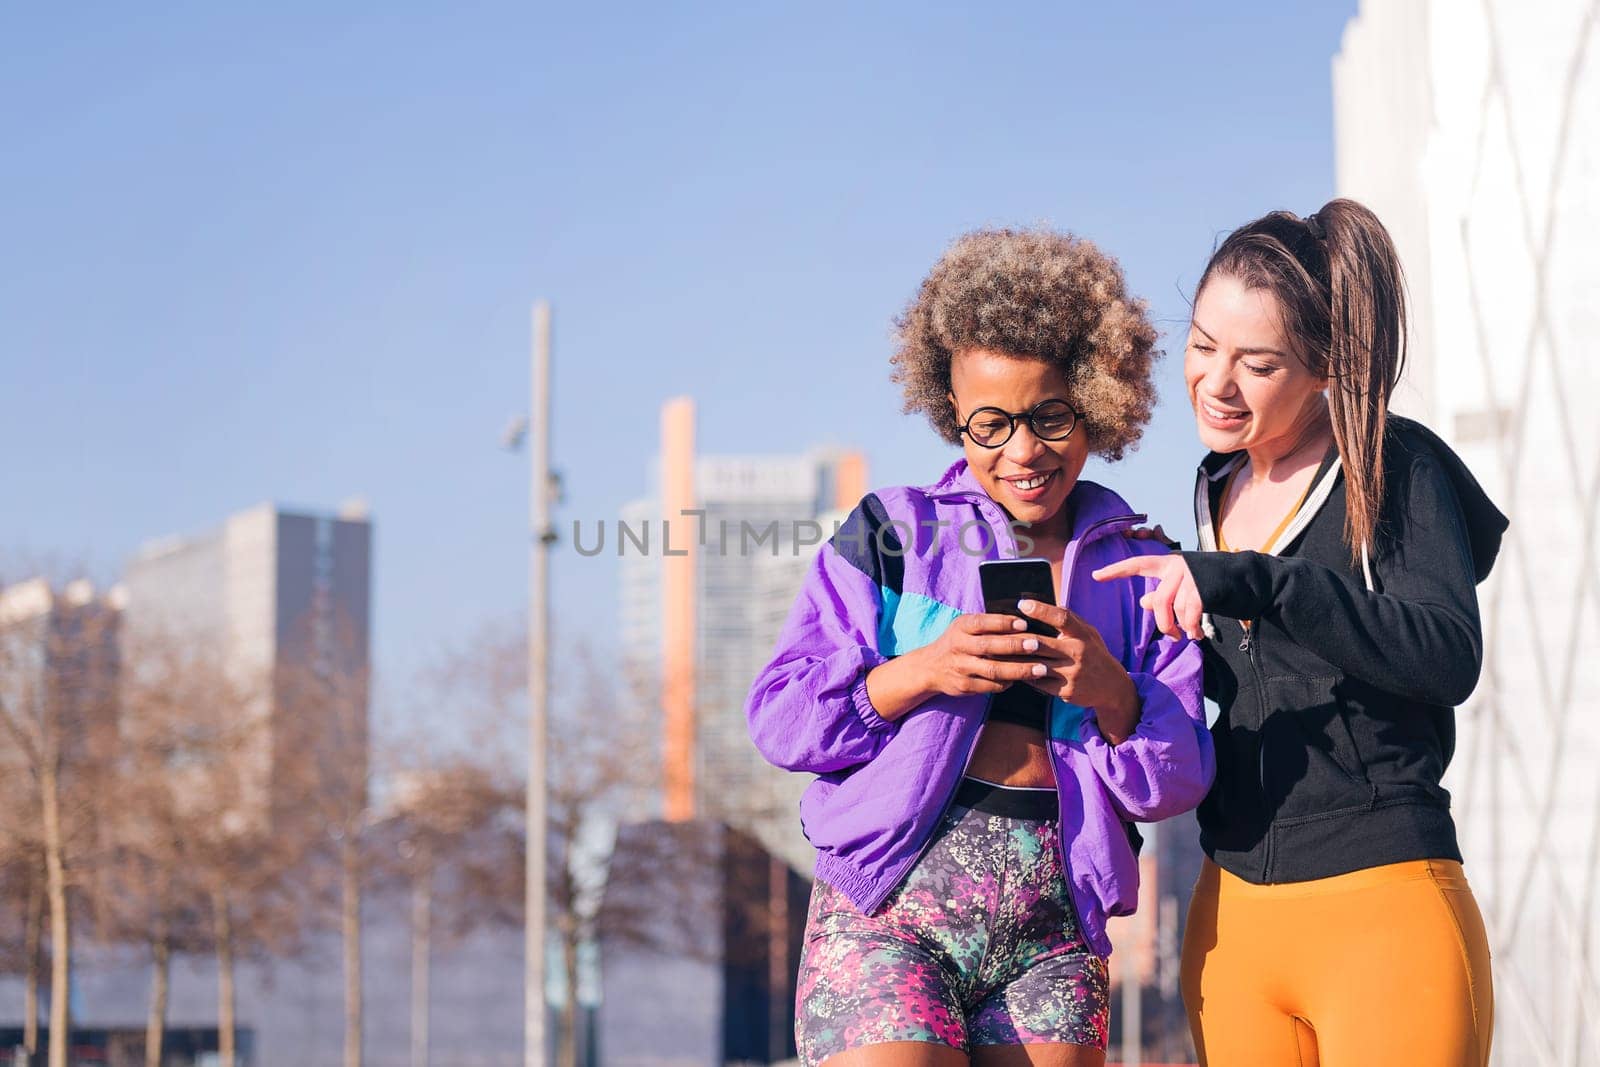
(1050, 420)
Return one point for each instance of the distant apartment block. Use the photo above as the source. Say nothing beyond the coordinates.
(58, 676)
(276, 597)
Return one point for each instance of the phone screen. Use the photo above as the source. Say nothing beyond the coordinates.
(1006, 581)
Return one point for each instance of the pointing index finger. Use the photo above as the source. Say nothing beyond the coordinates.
(1133, 566)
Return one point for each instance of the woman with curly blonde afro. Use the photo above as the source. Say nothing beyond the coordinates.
(978, 774)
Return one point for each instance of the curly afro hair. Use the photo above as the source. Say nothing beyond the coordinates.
(1034, 294)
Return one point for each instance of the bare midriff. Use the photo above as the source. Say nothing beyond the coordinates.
(1012, 754)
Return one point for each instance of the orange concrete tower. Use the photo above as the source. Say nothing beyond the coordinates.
(679, 550)
(850, 483)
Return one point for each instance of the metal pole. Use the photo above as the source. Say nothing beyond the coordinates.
(534, 1040)
(421, 944)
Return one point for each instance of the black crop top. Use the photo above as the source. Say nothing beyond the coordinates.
(1022, 704)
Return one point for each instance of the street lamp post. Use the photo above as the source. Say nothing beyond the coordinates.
(543, 536)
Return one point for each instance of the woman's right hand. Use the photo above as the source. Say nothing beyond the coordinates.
(977, 653)
(1175, 602)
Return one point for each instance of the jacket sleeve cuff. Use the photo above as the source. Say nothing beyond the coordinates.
(1234, 585)
(868, 714)
(1165, 766)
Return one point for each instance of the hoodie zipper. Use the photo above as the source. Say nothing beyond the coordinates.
(1248, 645)
(1316, 496)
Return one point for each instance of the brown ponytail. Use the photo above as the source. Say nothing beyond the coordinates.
(1337, 278)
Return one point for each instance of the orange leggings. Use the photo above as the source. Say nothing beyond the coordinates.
(1385, 966)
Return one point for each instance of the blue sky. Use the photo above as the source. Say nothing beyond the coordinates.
(288, 253)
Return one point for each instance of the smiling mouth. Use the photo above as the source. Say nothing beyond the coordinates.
(1220, 415)
(1031, 482)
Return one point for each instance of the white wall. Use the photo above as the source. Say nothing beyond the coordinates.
(1474, 130)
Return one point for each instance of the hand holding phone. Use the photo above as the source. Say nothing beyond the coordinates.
(1006, 581)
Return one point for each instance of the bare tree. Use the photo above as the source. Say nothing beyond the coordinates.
(603, 754)
(444, 812)
(247, 873)
(57, 713)
(152, 902)
(242, 808)
(22, 894)
(198, 740)
(183, 722)
(322, 773)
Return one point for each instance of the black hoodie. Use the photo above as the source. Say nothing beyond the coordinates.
(1336, 705)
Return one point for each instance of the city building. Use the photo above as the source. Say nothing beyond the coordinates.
(278, 599)
(58, 721)
(1473, 130)
(273, 596)
(290, 1008)
(58, 669)
(713, 561)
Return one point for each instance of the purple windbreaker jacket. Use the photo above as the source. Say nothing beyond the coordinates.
(890, 580)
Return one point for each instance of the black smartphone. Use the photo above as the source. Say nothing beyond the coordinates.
(1006, 581)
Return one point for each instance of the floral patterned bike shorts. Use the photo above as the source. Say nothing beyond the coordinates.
(979, 944)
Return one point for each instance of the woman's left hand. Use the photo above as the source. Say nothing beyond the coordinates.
(1175, 601)
(1080, 669)
(1154, 533)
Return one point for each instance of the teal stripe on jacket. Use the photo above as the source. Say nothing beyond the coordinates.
(911, 620)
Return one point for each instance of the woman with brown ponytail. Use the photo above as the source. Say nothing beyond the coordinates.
(1341, 548)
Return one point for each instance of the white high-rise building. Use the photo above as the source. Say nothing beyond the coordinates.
(1473, 130)
(267, 594)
